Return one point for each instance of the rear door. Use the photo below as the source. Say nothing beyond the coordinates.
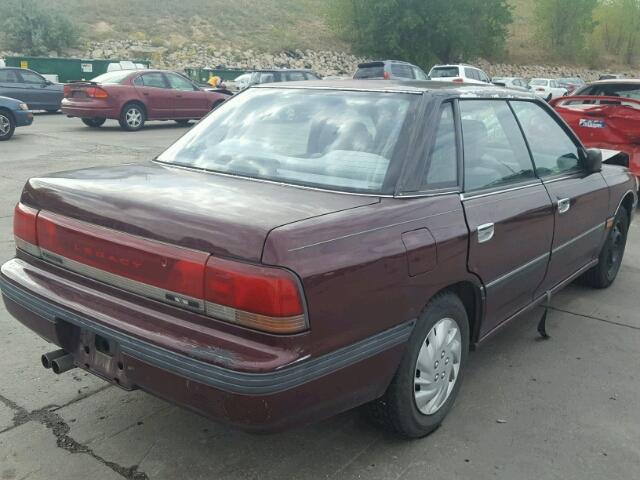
(580, 201)
(189, 100)
(508, 209)
(10, 85)
(157, 96)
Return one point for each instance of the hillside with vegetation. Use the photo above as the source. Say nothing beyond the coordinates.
(593, 33)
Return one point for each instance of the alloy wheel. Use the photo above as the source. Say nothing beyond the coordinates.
(133, 117)
(5, 125)
(438, 366)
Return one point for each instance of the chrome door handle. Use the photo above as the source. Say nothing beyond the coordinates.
(486, 232)
(564, 205)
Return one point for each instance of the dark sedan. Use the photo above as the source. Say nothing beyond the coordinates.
(316, 246)
(31, 88)
(13, 113)
(134, 96)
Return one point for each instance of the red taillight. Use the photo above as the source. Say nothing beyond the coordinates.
(171, 269)
(96, 92)
(387, 76)
(24, 225)
(458, 80)
(67, 91)
(265, 298)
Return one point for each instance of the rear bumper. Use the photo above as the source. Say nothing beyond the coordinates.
(89, 110)
(286, 395)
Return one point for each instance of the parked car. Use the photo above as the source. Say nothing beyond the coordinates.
(547, 88)
(13, 113)
(612, 76)
(571, 83)
(259, 77)
(389, 70)
(310, 248)
(513, 83)
(606, 114)
(459, 74)
(31, 88)
(134, 96)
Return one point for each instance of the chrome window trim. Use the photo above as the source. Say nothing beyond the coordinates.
(279, 85)
(518, 270)
(471, 196)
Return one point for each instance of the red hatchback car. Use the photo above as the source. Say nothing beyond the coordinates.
(134, 96)
(315, 246)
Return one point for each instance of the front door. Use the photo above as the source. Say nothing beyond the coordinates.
(508, 210)
(581, 201)
(11, 86)
(156, 95)
(188, 100)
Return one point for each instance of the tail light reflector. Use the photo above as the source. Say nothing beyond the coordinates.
(96, 92)
(264, 298)
(24, 228)
(115, 257)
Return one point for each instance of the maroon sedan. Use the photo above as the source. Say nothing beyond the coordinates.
(134, 96)
(312, 247)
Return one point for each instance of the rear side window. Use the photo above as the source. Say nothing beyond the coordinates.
(495, 153)
(419, 74)
(471, 73)
(401, 71)
(8, 76)
(444, 72)
(442, 168)
(154, 80)
(554, 152)
(370, 71)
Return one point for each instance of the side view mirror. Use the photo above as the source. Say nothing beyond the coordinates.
(593, 160)
(47, 83)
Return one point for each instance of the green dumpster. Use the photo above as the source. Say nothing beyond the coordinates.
(67, 69)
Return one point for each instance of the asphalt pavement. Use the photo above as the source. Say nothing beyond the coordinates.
(566, 408)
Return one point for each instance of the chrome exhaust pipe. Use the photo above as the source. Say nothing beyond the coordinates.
(47, 358)
(63, 364)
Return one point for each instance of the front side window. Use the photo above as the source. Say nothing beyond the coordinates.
(339, 140)
(31, 78)
(178, 82)
(495, 153)
(554, 152)
(442, 168)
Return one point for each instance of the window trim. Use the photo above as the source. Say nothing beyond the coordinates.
(164, 78)
(19, 73)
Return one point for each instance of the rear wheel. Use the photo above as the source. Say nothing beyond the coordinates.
(7, 125)
(428, 379)
(610, 259)
(94, 122)
(132, 117)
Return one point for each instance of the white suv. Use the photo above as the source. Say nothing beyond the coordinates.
(459, 74)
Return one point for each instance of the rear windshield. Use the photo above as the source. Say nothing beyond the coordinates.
(539, 81)
(622, 90)
(112, 77)
(370, 71)
(338, 140)
(444, 72)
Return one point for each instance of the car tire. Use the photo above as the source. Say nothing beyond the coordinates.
(183, 123)
(604, 274)
(94, 122)
(7, 125)
(132, 117)
(402, 409)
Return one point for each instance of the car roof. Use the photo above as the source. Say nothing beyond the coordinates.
(633, 81)
(418, 87)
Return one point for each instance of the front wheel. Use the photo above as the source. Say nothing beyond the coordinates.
(95, 122)
(610, 259)
(7, 126)
(429, 377)
(132, 117)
